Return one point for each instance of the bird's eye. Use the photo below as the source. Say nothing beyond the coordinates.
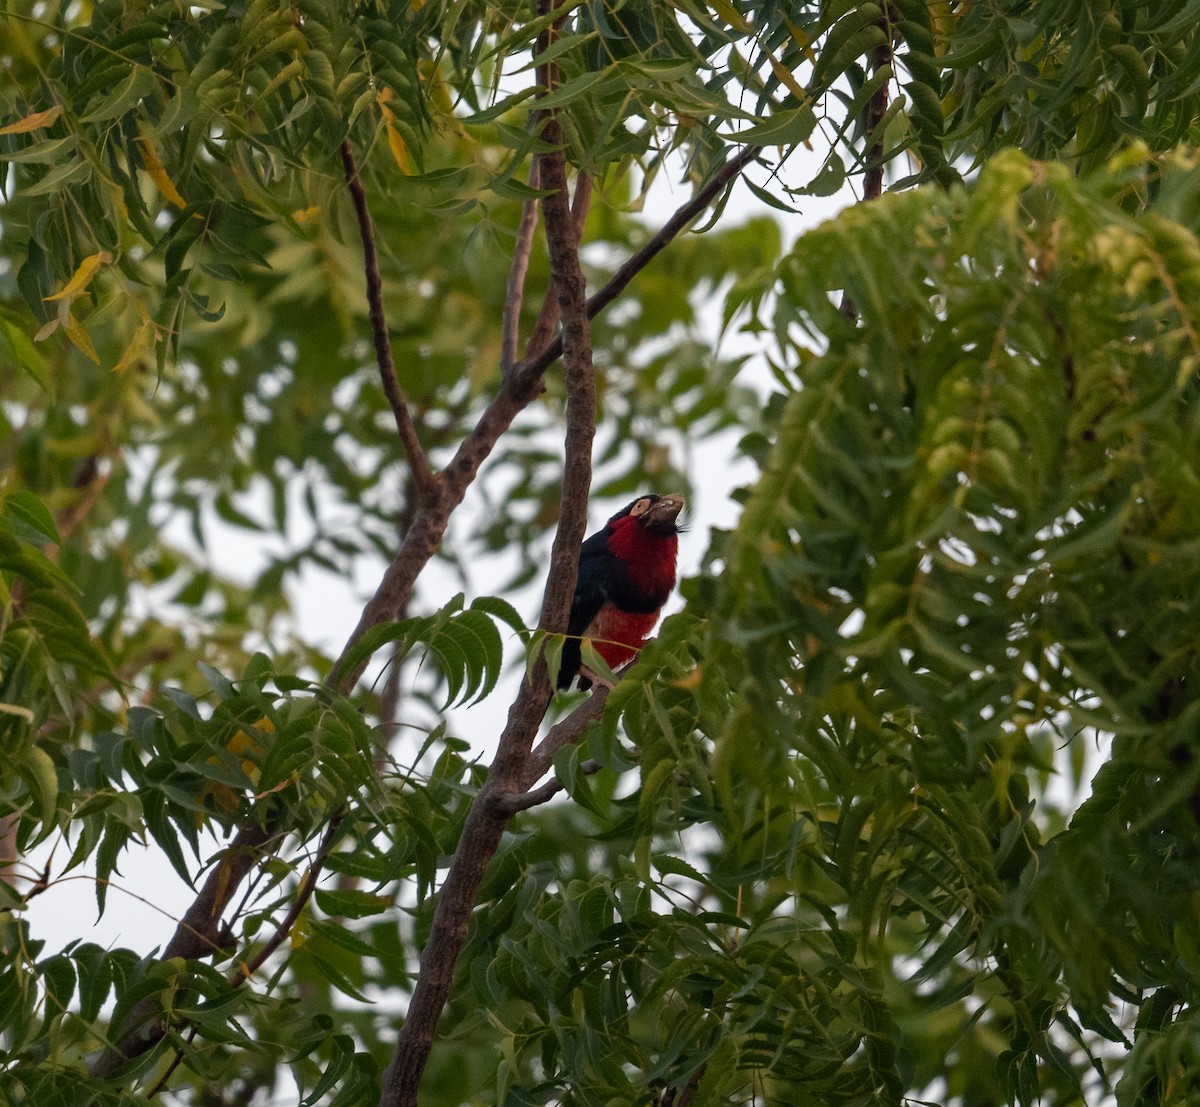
(640, 507)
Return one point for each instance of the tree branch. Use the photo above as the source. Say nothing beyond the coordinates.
(535, 797)
(486, 820)
(563, 733)
(199, 934)
(877, 107)
(304, 892)
(423, 477)
(547, 320)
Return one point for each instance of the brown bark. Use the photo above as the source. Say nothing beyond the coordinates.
(488, 815)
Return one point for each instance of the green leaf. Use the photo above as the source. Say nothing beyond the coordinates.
(72, 172)
(139, 82)
(787, 127)
(831, 178)
(591, 658)
(41, 778)
(350, 904)
(25, 508)
(17, 349)
(500, 609)
(338, 979)
(552, 649)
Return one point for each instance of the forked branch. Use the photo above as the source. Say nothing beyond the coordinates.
(541, 360)
(517, 390)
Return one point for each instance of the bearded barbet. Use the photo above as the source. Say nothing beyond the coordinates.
(626, 573)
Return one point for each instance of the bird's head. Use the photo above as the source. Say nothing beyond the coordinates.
(655, 514)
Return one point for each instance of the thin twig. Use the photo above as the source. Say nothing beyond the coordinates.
(91, 481)
(687, 214)
(304, 892)
(418, 463)
(514, 296)
(176, 1061)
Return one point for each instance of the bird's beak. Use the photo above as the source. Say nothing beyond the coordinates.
(661, 515)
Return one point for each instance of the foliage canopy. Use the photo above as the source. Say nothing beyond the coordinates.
(832, 840)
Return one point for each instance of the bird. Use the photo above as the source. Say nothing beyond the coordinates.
(626, 573)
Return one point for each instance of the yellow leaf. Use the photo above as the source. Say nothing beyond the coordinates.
(34, 122)
(158, 173)
(88, 268)
(306, 215)
(224, 872)
(802, 39)
(731, 15)
(301, 931)
(399, 150)
(135, 349)
(440, 99)
(785, 75)
(395, 138)
(80, 338)
(249, 748)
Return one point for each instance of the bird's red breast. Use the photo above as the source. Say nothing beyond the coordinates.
(626, 573)
(612, 626)
(649, 557)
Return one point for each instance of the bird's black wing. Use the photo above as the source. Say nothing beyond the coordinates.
(597, 565)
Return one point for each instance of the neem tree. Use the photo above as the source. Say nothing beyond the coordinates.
(806, 853)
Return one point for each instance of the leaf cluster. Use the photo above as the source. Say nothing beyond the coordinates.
(967, 559)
